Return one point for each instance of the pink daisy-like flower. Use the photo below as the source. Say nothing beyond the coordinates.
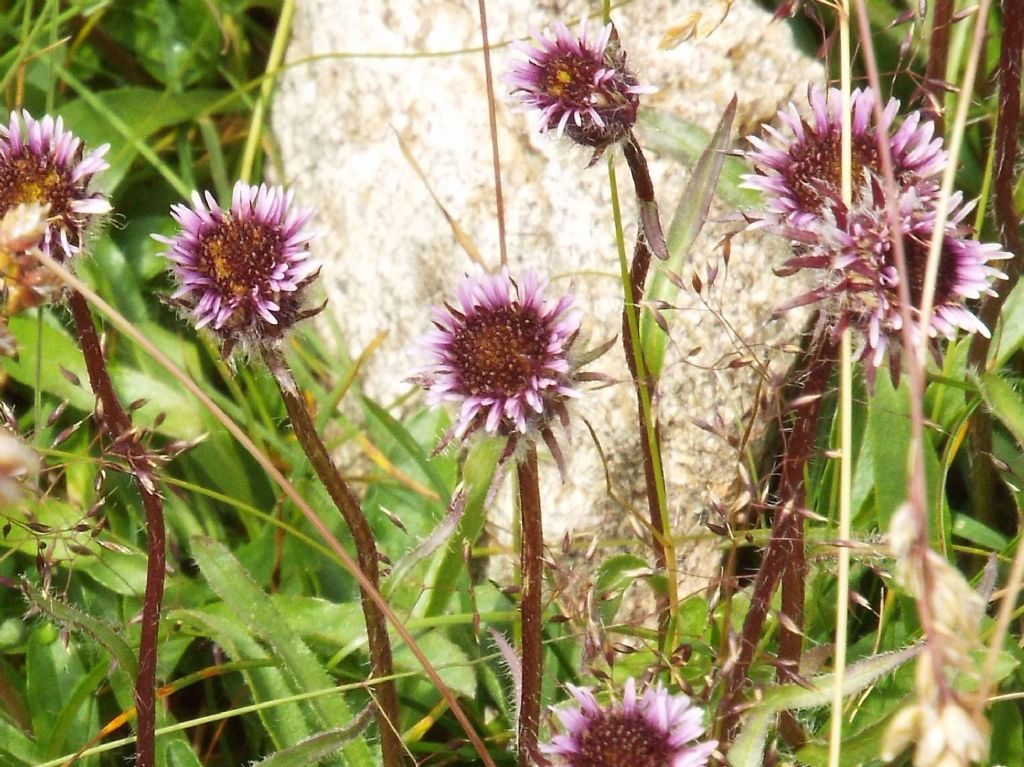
(856, 249)
(580, 86)
(42, 163)
(658, 729)
(241, 271)
(503, 354)
(799, 171)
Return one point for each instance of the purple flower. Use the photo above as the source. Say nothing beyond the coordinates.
(241, 272)
(861, 286)
(503, 356)
(42, 163)
(799, 171)
(656, 730)
(579, 86)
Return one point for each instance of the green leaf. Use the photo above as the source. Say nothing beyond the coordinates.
(1008, 738)
(177, 752)
(410, 446)
(1003, 402)
(1009, 335)
(889, 431)
(448, 658)
(316, 748)
(285, 724)
(320, 621)
(686, 224)
(748, 748)
(970, 529)
(683, 141)
(59, 352)
(21, 750)
(72, 617)
(478, 474)
(858, 748)
(254, 609)
(124, 117)
(52, 675)
(616, 574)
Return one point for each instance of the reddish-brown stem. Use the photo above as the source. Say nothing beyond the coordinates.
(784, 556)
(644, 187)
(638, 278)
(113, 419)
(1007, 131)
(392, 750)
(934, 83)
(499, 200)
(531, 606)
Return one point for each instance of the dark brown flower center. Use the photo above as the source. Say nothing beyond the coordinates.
(498, 351)
(239, 255)
(615, 739)
(815, 171)
(26, 178)
(569, 78)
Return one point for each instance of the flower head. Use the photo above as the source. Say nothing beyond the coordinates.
(800, 171)
(502, 354)
(44, 164)
(857, 250)
(241, 271)
(580, 86)
(657, 729)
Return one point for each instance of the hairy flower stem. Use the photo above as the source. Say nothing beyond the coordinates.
(934, 85)
(650, 441)
(531, 563)
(382, 668)
(784, 556)
(1007, 219)
(644, 186)
(113, 419)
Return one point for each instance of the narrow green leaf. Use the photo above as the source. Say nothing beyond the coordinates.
(72, 617)
(478, 474)
(748, 748)
(686, 224)
(21, 749)
(410, 446)
(318, 747)
(975, 531)
(254, 609)
(1008, 744)
(889, 432)
(1009, 334)
(52, 675)
(1003, 401)
(669, 135)
(284, 724)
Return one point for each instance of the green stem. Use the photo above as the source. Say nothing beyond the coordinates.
(277, 49)
(633, 279)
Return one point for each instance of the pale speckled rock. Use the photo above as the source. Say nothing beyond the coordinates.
(389, 254)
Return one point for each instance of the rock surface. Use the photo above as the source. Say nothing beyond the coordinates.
(358, 77)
